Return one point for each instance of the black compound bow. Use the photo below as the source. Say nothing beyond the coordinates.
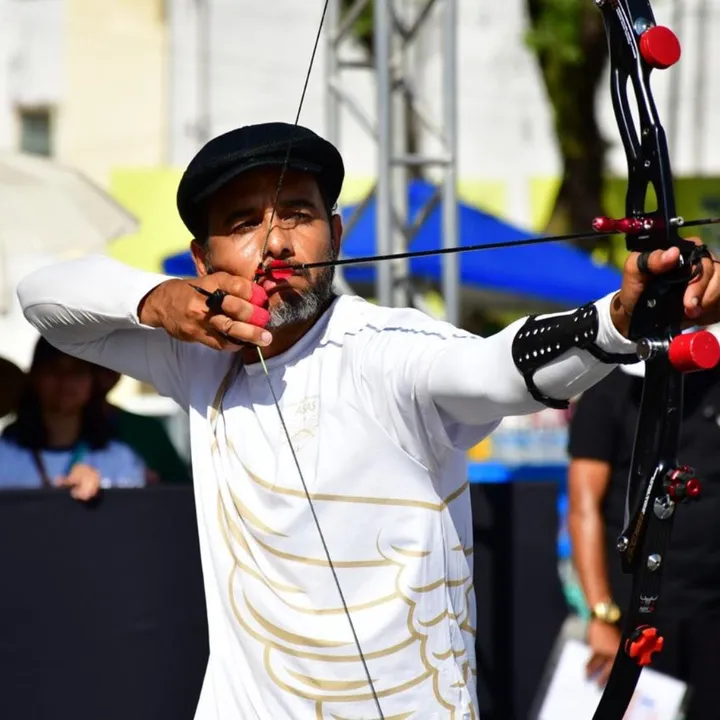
(657, 481)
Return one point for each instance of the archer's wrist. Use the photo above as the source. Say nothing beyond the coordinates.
(620, 316)
(606, 612)
(609, 337)
(151, 306)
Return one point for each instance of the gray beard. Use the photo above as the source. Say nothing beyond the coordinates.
(297, 307)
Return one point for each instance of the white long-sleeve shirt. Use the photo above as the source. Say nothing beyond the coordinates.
(381, 405)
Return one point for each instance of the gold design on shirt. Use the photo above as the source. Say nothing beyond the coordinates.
(361, 499)
(216, 405)
(465, 625)
(237, 535)
(279, 642)
(332, 685)
(411, 553)
(449, 653)
(246, 514)
(289, 637)
(401, 716)
(253, 595)
(440, 583)
(226, 524)
(321, 562)
(356, 697)
(426, 657)
(438, 618)
(353, 658)
(468, 551)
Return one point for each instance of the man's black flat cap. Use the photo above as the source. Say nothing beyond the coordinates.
(225, 157)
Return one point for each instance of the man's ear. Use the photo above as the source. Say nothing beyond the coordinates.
(200, 251)
(337, 231)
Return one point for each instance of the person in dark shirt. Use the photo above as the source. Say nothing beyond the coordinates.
(602, 431)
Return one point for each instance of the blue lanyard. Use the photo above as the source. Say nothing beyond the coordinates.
(78, 453)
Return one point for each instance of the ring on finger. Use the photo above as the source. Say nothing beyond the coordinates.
(215, 300)
(642, 263)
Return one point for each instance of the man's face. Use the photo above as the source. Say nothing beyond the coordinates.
(239, 224)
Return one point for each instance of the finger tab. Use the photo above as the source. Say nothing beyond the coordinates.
(259, 317)
(258, 296)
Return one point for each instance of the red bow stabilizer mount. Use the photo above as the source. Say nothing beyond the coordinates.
(631, 225)
(659, 47)
(681, 484)
(687, 353)
(694, 351)
(643, 643)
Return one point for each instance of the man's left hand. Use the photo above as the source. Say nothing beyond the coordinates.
(702, 296)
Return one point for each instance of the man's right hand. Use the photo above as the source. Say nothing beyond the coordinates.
(183, 313)
(604, 641)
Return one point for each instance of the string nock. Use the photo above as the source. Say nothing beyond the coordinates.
(691, 352)
(643, 644)
(260, 272)
(659, 47)
(681, 484)
(626, 226)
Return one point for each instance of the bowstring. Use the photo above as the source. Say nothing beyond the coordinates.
(286, 162)
(276, 401)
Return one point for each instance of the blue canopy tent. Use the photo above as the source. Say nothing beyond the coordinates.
(555, 273)
(548, 274)
(180, 265)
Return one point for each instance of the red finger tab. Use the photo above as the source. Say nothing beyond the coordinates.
(258, 296)
(260, 317)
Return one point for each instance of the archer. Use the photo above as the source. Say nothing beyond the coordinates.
(328, 434)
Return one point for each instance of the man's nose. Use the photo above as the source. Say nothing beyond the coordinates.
(279, 240)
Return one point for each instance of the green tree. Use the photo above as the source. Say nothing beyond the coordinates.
(568, 38)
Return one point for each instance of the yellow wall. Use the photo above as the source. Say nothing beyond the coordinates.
(114, 99)
(150, 195)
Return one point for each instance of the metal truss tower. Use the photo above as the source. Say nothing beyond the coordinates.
(396, 26)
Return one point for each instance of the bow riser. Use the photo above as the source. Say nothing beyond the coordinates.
(656, 482)
(646, 150)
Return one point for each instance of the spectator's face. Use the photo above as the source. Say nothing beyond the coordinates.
(64, 385)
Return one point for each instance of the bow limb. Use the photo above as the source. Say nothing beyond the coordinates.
(276, 401)
(657, 482)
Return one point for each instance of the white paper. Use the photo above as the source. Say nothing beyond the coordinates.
(571, 696)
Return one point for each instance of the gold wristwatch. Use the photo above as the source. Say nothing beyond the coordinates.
(607, 612)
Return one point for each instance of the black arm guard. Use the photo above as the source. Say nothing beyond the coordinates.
(539, 342)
